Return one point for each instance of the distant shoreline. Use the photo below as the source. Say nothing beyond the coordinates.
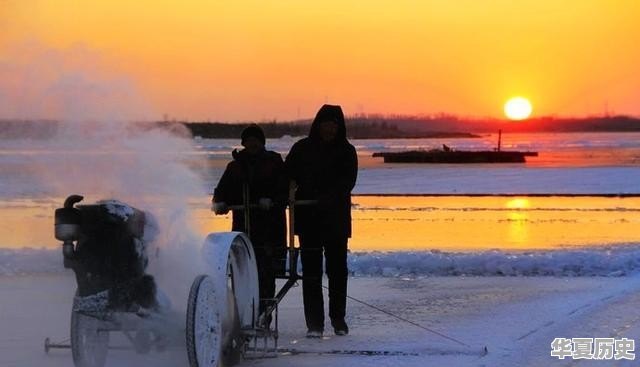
(413, 127)
(408, 136)
(355, 130)
(359, 127)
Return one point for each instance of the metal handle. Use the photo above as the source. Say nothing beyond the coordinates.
(241, 208)
(253, 206)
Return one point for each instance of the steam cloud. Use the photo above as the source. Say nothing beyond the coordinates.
(97, 152)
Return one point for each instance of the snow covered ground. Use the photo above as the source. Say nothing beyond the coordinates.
(516, 318)
(610, 261)
(514, 302)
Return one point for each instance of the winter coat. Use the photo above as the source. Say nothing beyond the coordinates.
(325, 172)
(265, 176)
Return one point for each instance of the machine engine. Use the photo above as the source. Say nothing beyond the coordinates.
(105, 244)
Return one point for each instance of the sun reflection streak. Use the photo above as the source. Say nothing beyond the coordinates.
(518, 221)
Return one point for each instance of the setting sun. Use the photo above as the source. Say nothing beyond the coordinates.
(517, 108)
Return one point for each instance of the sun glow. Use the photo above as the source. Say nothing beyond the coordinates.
(517, 108)
(518, 203)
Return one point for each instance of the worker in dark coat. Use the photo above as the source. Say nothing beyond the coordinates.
(324, 165)
(257, 175)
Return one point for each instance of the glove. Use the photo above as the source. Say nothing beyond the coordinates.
(265, 203)
(220, 208)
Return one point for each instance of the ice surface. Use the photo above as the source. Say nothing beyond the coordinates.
(523, 141)
(515, 302)
(619, 260)
(604, 163)
(515, 317)
(604, 261)
(30, 261)
(449, 179)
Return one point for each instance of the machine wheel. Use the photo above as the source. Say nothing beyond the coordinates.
(232, 341)
(222, 303)
(204, 326)
(89, 344)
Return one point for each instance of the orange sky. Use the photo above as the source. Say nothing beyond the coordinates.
(238, 60)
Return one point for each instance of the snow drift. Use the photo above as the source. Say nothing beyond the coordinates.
(620, 260)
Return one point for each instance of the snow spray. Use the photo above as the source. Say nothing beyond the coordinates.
(96, 151)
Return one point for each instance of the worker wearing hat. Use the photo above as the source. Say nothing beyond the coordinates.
(260, 173)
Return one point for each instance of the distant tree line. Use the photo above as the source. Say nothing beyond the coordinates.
(438, 126)
(232, 131)
(17, 129)
(362, 126)
(356, 129)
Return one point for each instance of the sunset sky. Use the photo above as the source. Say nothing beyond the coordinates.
(260, 60)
